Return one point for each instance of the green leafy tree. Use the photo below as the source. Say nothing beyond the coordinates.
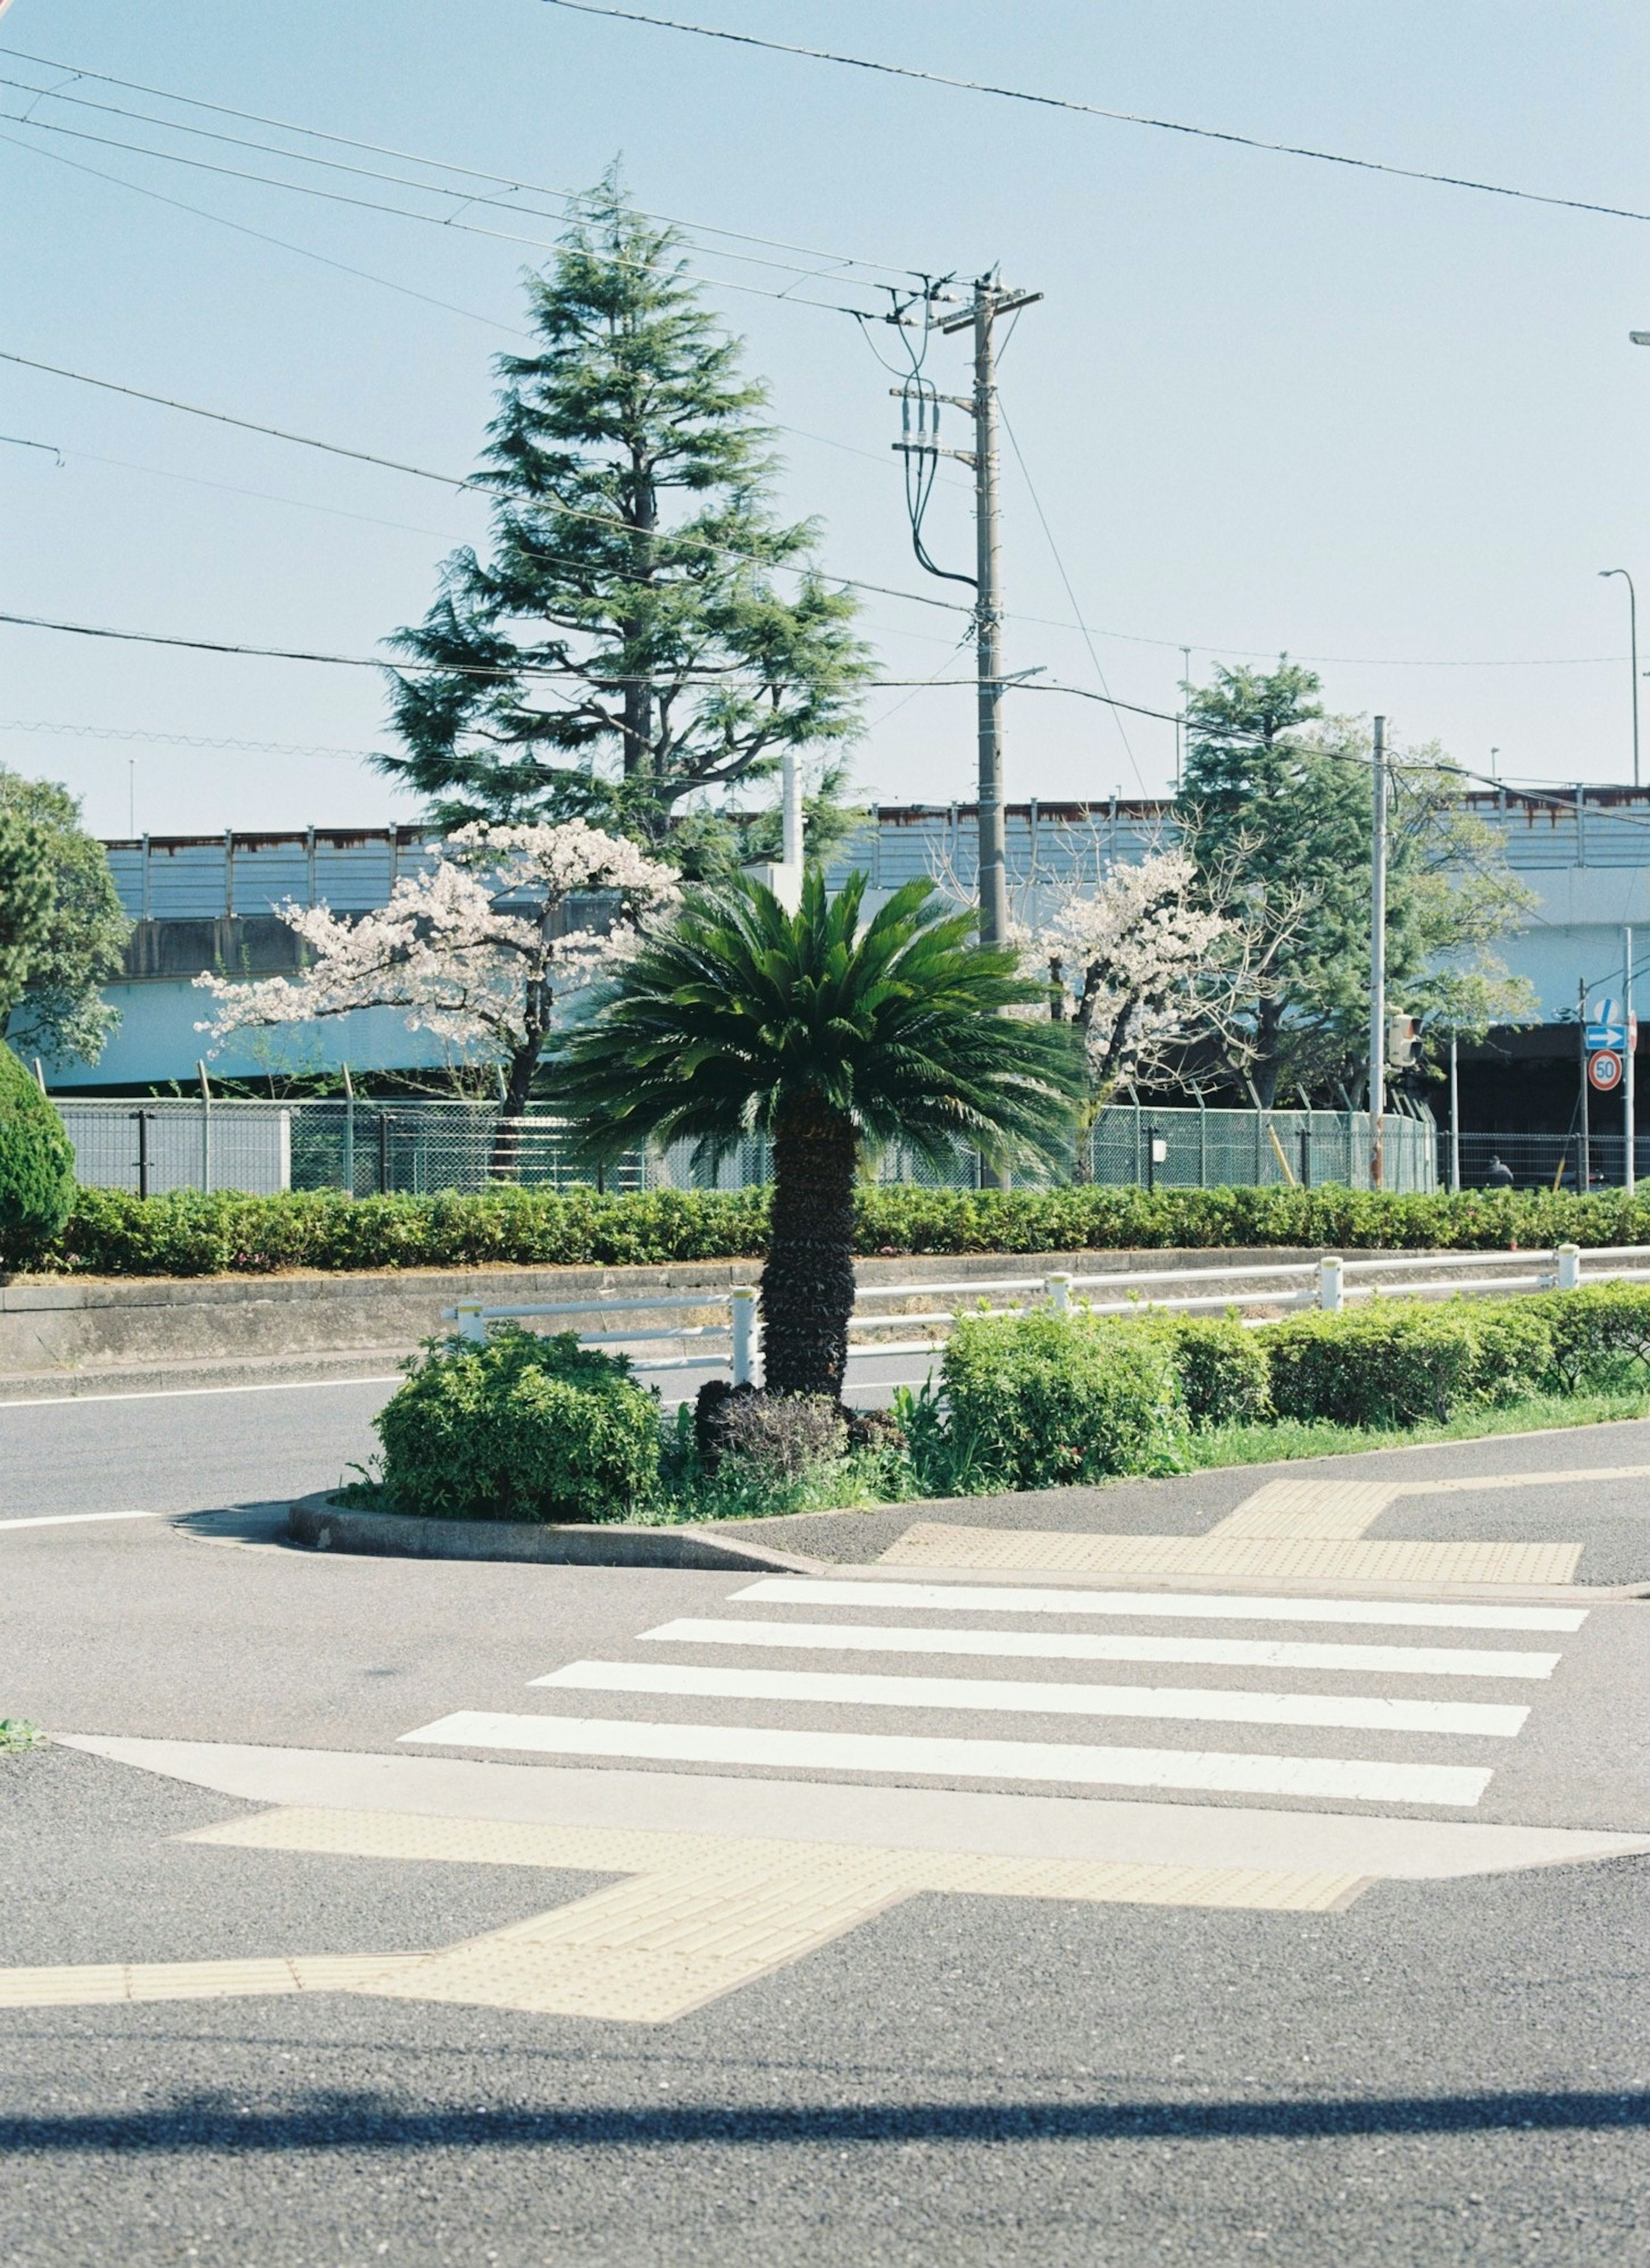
(25, 903)
(37, 1166)
(62, 928)
(628, 648)
(1276, 803)
(827, 1035)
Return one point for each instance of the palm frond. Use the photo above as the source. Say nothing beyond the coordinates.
(898, 1024)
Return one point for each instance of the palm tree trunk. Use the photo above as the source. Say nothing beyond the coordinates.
(807, 1286)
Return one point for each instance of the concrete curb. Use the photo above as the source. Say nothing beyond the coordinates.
(317, 1522)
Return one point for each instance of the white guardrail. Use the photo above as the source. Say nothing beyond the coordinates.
(1329, 1285)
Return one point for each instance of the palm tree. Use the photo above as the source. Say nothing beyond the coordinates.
(824, 1033)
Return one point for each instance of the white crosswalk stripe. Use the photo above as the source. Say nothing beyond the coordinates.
(1316, 1687)
(1367, 1713)
(1184, 1606)
(1110, 1646)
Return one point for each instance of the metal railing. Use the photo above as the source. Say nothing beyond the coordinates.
(1276, 1287)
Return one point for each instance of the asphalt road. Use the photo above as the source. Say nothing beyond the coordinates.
(1448, 2067)
(192, 1448)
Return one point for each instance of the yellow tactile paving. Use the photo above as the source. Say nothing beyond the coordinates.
(1278, 1559)
(108, 1982)
(699, 1915)
(403, 1835)
(1343, 1509)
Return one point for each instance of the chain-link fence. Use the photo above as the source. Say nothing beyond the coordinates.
(1228, 1149)
(1543, 1161)
(383, 1147)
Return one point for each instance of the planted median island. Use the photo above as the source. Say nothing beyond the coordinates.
(530, 1428)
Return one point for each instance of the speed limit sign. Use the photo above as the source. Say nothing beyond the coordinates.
(1603, 1070)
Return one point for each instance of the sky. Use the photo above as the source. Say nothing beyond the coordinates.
(1264, 404)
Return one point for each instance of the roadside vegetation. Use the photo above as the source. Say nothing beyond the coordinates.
(531, 1428)
(113, 1233)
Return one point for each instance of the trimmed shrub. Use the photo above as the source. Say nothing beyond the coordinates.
(1596, 1331)
(1401, 1363)
(36, 1167)
(112, 1232)
(523, 1428)
(1043, 1400)
(1225, 1378)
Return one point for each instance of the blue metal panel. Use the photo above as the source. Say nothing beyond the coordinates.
(186, 880)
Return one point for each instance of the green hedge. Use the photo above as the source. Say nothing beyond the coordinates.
(1223, 1376)
(1400, 1363)
(1046, 1400)
(111, 1233)
(522, 1428)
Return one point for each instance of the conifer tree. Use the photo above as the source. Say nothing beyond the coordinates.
(642, 631)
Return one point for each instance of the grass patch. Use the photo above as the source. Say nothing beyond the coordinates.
(1290, 1439)
(17, 1736)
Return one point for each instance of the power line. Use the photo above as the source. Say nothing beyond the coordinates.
(30, 725)
(246, 424)
(1054, 549)
(449, 222)
(461, 481)
(260, 236)
(468, 482)
(505, 672)
(340, 165)
(440, 165)
(1116, 117)
(343, 267)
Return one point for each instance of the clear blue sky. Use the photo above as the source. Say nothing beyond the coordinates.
(1265, 403)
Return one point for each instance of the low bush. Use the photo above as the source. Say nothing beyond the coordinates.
(36, 1167)
(1401, 1363)
(522, 1428)
(1042, 1401)
(1225, 1378)
(1597, 1332)
(112, 1232)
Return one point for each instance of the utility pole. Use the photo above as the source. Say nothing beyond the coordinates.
(989, 302)
(1628, 1099)
(1378, 960)
(1584, 1160)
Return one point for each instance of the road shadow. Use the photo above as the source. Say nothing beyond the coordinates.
(338, 2120)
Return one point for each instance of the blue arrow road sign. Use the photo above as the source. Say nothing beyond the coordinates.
(1607, 1027)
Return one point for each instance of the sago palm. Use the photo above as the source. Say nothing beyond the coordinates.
(826, 1034)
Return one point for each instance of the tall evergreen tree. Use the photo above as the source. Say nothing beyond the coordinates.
(629, 644)
(1277, 805)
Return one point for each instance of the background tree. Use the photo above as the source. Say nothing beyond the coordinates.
(62, 928)
(1151, 975)
(827, 1035)
(626, 648)
(1276, 803)
(476, 949)
(37, 1166)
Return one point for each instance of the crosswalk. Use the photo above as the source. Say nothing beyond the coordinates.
(1428, 1720)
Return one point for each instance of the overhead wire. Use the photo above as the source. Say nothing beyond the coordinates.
(454, 481)
(440, 165)
(1054, 550)
(861, 315)
(260, 236)
(449, 222)
(1115, 117)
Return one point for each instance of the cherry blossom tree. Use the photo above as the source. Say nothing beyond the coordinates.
(476, 949)
(1147, 959)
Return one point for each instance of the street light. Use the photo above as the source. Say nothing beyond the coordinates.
(1633, 631)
